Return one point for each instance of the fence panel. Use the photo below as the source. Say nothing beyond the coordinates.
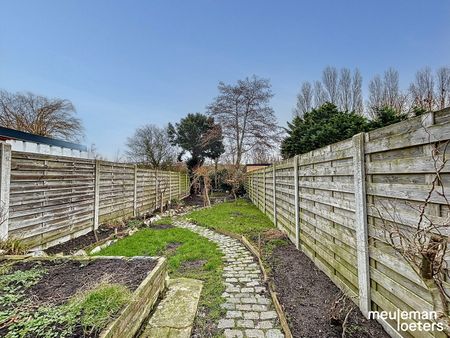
(350, 194)
(52, 199)
(116, 190)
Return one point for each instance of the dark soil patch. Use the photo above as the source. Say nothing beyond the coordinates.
(82, 242)
(171, 247)
(193, 200)
(192, 265)
(64, 278)
(315, 307)
(161, 226)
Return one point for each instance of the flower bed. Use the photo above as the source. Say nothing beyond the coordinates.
(77, 296)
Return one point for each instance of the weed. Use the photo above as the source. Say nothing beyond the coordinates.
(164, 220)
(134, 223)
(98, 306)
(13, 246)
(91, 310)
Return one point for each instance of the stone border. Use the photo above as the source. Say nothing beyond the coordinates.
(247, 301)
(142, 302)
(271, 286)
(143, 299)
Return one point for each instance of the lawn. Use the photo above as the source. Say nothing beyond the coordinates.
(189, 255)
(239, 217)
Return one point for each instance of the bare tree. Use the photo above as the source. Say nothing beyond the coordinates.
(262, 155)
(385, 92)
(422, 90)
(40, 115)
(320, 96)
(330, 83)
(357, 101)
(345, 89)
(442, 87)
(376, 93)
(245, 115)
(202, 179)
(236, 178)
(391, 88)
(304, 99)
(150, 145)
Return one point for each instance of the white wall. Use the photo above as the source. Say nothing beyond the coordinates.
(37, 148)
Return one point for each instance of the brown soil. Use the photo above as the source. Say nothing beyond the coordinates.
(171, 247)
(193, 200)
(192, 265)
(315, 307)
(161, 226)
(64, 278)
(82, 242)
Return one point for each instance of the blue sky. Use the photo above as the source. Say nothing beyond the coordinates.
(127, 63)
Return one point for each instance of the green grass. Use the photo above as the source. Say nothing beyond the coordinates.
(239, 217)
(164, 220)
(98, 306)
(189, 247)
(91, 310)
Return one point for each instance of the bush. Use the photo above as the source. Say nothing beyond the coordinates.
(320, 127)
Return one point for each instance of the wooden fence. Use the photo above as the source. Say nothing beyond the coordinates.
(52, 199)
(334, 203)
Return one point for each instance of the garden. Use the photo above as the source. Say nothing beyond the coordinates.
(84, 296)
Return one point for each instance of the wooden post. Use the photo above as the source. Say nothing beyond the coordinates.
(96, 193)
(362, 243)
(5, 179)
(135, 210)
(275, 221)
(296, 204)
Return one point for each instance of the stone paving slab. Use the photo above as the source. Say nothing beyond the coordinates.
(175, 314)
(248, 305)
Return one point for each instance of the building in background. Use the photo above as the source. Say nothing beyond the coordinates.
(31, 143)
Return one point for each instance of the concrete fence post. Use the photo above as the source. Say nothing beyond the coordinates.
(96, 194)
(362, 239)
(156, 189)
(264, 190)
(179, 185)
(170, 187)
(274, 185)
(5, 179)
(296, 204)
(251, 188)
(135, 209)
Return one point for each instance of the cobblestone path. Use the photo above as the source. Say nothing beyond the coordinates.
(249, 309)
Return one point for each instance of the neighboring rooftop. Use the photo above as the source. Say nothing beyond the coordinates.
(31, 143)
(12, 134)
